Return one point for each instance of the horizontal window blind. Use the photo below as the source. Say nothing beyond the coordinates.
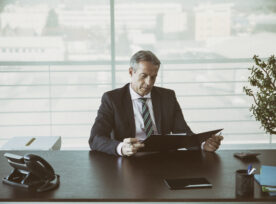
(59, 100)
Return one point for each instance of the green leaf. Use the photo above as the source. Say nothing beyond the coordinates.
(263, 78)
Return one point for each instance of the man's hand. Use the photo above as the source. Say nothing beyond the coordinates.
(213, 143)
(131, 146)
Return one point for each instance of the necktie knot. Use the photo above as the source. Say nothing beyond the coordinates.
(143, 100)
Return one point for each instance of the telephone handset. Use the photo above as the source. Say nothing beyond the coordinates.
(39, 167)
(31, 172)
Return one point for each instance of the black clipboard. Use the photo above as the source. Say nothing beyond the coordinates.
(186, 183)
(156, 143)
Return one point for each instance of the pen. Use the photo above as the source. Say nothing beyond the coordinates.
(249, 168)
(252, 171)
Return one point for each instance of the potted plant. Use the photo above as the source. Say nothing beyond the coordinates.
(263, 91)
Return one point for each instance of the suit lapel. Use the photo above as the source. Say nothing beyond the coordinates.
(129, 112)
(156, 104)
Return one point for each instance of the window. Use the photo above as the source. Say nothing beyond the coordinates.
(74, 51)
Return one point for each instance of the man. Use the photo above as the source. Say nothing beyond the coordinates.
(137, 110)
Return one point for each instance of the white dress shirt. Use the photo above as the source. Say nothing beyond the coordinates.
(139, 122)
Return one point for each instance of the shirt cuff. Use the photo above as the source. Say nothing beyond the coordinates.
(119, 148)
(202, 144)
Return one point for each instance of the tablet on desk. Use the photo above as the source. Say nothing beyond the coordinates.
(175, 141)
(185, 183)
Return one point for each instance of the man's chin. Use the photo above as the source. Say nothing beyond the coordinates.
(144, 92)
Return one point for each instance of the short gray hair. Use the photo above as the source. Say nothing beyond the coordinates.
(143, 55)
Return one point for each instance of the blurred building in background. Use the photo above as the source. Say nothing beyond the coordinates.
(56, 61)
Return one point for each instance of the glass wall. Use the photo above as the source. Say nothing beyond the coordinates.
(57, 58)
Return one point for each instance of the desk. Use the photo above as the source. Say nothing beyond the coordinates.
(94, 176)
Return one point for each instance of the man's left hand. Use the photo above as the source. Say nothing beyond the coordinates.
(213, 143)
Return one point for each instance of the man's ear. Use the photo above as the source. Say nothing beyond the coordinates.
(130, 71)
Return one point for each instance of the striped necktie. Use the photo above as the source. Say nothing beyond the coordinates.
(146, 117)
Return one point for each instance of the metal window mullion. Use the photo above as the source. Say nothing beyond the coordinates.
(112, 39)
(50, 100)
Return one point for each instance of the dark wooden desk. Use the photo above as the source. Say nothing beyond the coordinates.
(95, 176)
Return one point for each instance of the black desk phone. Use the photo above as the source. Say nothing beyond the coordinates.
(31, 172)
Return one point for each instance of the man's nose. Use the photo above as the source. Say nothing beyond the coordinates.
(148, 81)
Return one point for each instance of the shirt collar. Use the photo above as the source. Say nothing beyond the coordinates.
(135, 95)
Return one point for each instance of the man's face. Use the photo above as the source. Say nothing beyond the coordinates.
(143, 79)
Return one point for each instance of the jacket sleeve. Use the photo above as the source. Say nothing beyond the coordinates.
(180, 125)
(100, 137)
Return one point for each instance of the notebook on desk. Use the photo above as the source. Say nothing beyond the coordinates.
(155, 143)
(267, 179)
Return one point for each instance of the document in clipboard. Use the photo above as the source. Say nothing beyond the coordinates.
(155, 143)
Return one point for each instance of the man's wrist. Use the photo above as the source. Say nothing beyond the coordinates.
(119, 149)
(202, 144)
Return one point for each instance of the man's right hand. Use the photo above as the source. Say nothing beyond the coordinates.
(131, 146)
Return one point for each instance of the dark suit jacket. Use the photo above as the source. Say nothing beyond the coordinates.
(115, 119)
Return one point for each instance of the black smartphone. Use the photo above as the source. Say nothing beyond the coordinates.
(185, 183)
(246, 155)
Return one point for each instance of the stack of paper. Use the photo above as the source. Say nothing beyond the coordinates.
(267, 179)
